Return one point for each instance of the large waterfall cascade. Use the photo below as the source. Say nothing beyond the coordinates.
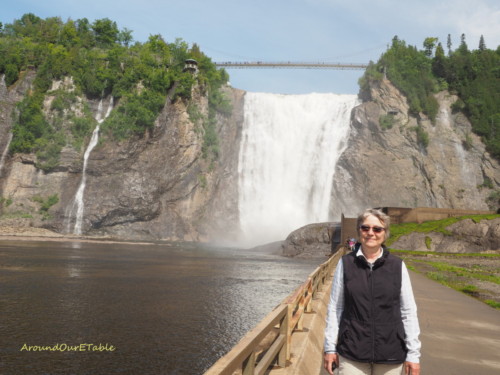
(77, 206)
(289, 148)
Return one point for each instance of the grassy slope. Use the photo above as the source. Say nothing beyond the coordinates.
(476, 274)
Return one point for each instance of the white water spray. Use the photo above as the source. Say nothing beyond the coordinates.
(4, 153)
(77, 207)
(289, 148)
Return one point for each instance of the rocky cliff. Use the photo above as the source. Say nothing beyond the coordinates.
(154, 187)
(160, 186)
(388, 166)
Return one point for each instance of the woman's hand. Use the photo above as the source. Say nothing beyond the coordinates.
(412, 368)
(328, 360)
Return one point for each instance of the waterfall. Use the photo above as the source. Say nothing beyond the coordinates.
(4, 153)
(77, 207)
(289, 148)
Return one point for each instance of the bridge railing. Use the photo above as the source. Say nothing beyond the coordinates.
(270, 341)
(290, 65)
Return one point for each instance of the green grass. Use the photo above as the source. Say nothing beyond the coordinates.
(458, 278)
(463, 272)
(493, 304)
(16, 215)
(434, 264)
(469, 289)
(439, 226)
(440, 254)
(439, 277)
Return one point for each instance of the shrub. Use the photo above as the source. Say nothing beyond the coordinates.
(387, 121)
(45, 204)
(493, 200)
(467, 142)
(428, 242)
(422, 136)
(5, 201)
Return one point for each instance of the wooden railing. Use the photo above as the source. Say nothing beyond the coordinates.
(270, 341)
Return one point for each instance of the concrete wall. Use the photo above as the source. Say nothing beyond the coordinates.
(348, 228)
(421, 214)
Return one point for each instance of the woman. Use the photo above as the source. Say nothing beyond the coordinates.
(372, 326)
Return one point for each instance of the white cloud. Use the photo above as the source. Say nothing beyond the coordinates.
(475, 20)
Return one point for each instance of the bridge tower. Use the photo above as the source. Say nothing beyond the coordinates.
(191, 65)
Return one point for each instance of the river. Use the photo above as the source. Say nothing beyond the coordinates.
(116, 308)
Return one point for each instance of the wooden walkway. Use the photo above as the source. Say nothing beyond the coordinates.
(460, 335)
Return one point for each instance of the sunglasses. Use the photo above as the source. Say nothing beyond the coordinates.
(366, 228)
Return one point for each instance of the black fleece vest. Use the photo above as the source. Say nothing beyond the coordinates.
(371, 328)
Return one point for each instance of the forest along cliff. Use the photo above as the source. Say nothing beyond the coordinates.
(160, 186)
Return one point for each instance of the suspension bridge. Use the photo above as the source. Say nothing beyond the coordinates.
(289, 65)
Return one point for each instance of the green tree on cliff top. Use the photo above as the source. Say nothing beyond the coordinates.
(472, 75)
(102, 60)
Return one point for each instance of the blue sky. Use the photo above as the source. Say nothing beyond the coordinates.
(286, 30)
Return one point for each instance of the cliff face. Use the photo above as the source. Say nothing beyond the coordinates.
(390, 167)
(160, 187)
(155, 187)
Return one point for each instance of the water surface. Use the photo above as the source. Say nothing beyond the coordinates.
(165, 309)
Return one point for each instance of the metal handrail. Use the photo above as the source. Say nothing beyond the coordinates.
(290, 65)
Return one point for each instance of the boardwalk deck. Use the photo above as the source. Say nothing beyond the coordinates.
(460, 335)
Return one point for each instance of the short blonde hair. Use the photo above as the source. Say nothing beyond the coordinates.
(384, 219)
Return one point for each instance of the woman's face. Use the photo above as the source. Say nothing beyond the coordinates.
(370, 239)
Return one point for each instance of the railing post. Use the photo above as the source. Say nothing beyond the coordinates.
(308, 307)
(300, 323)
(288, 330)
(284, 352)
(249, 366)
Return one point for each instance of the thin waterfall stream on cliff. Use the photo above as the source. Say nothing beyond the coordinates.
(5, 152)
(77, 207)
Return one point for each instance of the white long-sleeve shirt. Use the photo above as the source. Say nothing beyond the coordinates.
(408, 313)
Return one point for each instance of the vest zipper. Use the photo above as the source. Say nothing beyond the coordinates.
(372, 312)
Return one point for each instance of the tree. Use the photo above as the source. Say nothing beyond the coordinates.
(69, 34)
(439, 62)
(125, 37)
(448, 44)
(157, 44)
(482, 45)
(84, 33)
(196, 52)
(106, 32)
(429, 44)
(463, 49)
